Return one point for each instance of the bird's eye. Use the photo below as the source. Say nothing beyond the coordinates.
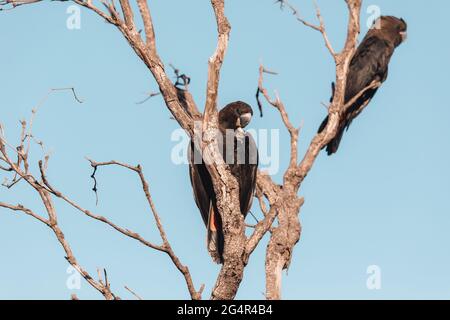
(238, 111)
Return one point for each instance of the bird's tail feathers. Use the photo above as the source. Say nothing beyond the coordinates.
(215, 241)
(333, 145)
(323, 125)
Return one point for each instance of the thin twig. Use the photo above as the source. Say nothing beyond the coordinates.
(165, 247)
(149, 96)
(133, 293)
(320, 28)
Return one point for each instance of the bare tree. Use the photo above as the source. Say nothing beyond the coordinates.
(283, 198)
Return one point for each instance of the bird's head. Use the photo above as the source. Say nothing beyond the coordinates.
(393, 28)
(235, 115)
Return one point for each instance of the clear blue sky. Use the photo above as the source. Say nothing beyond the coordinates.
(382, 200)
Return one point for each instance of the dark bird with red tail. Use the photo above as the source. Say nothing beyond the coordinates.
(239, 151)
(369, 64)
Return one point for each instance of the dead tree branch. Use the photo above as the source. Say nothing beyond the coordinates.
(320, 27)
(165, 247)
(133, 293)
(46, 191)
(287, 233)
(52, 222)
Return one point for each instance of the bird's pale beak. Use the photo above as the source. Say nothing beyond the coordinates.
(404, 35)
(240, 131)
(244, 119)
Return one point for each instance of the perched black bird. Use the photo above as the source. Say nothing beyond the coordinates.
(239, 151)
(370, 63)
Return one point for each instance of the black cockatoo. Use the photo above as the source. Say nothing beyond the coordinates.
(370, 63)
(243, 162)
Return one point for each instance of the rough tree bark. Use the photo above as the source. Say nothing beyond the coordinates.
(283, 199)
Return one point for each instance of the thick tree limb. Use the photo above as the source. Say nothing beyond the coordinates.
(285, 205)
(287, 233)
(128, 15)
(225, 184)
(337, 106)
(271, 191)
(215, 61)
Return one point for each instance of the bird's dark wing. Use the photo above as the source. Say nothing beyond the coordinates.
(246, 174)
(369, 63)
(201, 183)
(205, 199)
